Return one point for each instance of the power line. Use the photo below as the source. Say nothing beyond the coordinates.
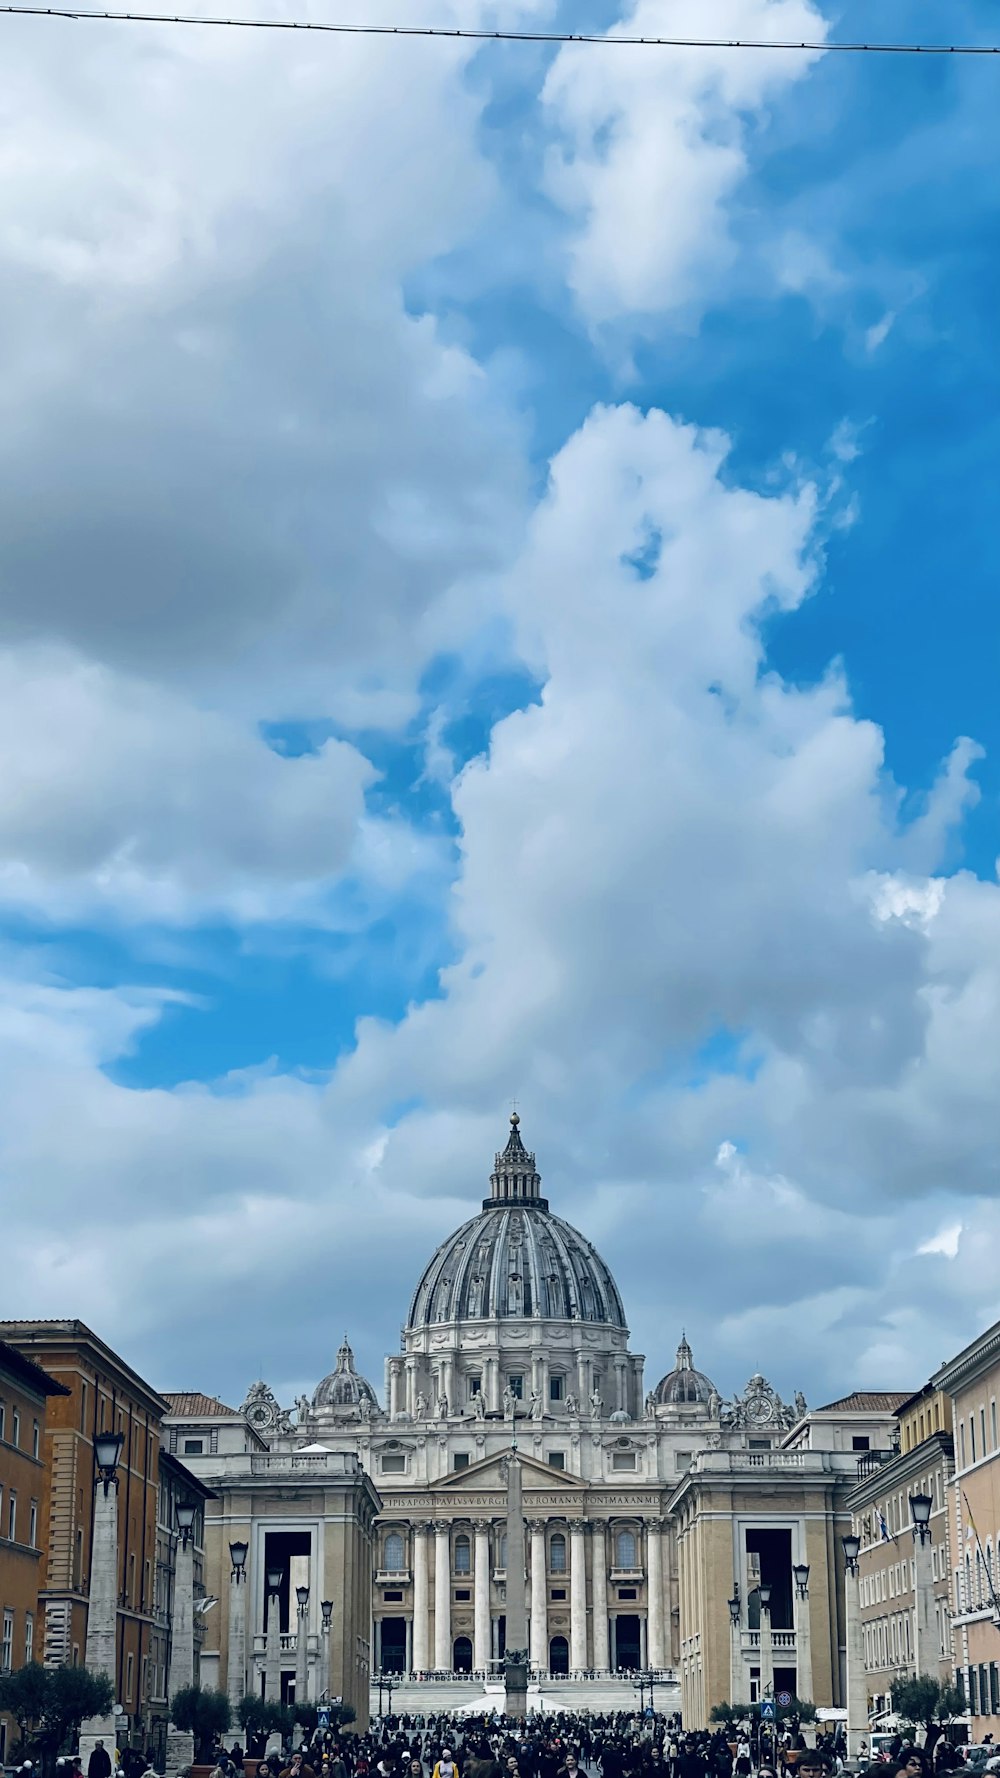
(485, 36)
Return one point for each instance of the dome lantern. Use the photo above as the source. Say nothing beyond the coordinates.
(515, 1178)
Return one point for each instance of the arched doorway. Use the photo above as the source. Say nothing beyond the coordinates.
(461, 1656)
(558, 1655)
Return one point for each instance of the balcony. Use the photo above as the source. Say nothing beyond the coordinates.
(632, 1575)
(782, 1641)
(287, 1645)
(317, 1463)
(393, 1577)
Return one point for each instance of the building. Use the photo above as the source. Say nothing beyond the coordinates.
(516, 1326)
(970, 1384)
(920, 1464)
(98, 1392)
(177, 1487)
(25, 1392)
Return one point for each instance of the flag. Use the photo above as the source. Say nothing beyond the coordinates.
(971, 1523)
(883, 1527)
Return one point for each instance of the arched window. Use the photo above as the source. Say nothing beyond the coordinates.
(557, 1554)
(558, 1655)
(395, 1553)
(625, 1556)
(463, 1555)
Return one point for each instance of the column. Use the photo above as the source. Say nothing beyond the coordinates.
(442, 1596)
(621, 1403)
(302, 1651)
(803, 1646)
(411, 1385)
(654, 1593)
(421, 1641)
(272, 1647)
(180, 1742)
(599, 1566)
(102, 1612)
(491, 1383)
(766, 1653)
(481, 1598)
(577, 1597)
(394, 1380)
(737, 1681)
(857, 1685)
(236, 1668)
(925, 1642)
(539, 1646)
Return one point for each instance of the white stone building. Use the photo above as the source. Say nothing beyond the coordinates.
(516, 1328)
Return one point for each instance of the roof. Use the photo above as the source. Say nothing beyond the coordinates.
(24, 1370)
(57, 1337)
(190, 1404)
(868, 1401)
(184, 1477)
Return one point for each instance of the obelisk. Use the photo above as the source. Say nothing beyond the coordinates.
(516, 1646)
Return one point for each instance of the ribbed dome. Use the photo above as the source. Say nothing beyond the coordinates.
(343, 1388)
(684, 1386)
(516, 1260)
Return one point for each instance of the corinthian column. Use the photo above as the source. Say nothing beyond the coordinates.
(442, 1596)
(539, 1650)
(577, 1597)
(481, 1597)
(655, 1652)
(421, 1643)
(599, 1564)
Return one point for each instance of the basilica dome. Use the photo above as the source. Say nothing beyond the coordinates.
(684, 1386)
(515, 1260)
(344, 1388)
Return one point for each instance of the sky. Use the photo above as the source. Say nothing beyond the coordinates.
(498, 566)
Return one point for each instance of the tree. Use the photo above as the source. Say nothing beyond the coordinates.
(24, 1695)
(730, 1714)
(74, 1694)
(205, 1713)
(258, 1716)
(342, 1714)
(927, 1703)
(306, 1716)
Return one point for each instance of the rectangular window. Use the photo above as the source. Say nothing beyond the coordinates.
(460, 1460)
(758, 1444)
(623, 1459)
(15, 1427)
(475, 1387)
(982, 1431)
(7, 1645)
(29, 1638)
(33, 1524)
(129, 1677)
(516, 1387)
(193, 1447)
(393, 1464)
(35, 1437)
(627, 1593)
(972, 1437)
(12, 1517)
(683, 1461)
(994, 1689)
(557, 1594)
(861, 1444)
(961, 1443)
(3, 1419)
(555, 1388)
(392, 1598)
(83, 1407)
(993, 1424)
(557, 1460)
(462, 1595)
(974, 1690)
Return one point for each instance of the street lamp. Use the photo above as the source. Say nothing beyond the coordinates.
(274, 1575)
(920, 1507)
(327, 1609)
(302, 1595)
(803, 1633)
(107, 1450)
(800, 1572)
(764, 1595)
(302, 1645)
(186, 1510)
(852, 1550)
(734, 1610)
(857, 1689)
(238, 1558)
(236, 1672)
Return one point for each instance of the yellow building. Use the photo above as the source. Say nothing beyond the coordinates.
(25, 1391)
(970, 1383)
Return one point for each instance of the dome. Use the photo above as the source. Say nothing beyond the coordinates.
(684, 1386)
(343, 1388)
(515, 1260)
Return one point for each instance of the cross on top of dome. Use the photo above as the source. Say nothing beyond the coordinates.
(515, 1178)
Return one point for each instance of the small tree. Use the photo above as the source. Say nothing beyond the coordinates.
(251, 1714)
(306, 1715)
(342, 1714)
(206, 1714)
(74, 1694)
(25, 1695)
(928, 1703)
(730, 1714)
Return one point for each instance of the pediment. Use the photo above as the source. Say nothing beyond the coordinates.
(489, 1473)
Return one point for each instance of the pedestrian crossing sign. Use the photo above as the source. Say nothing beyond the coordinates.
(767, 1710)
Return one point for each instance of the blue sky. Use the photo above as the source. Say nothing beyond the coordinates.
(498, 554)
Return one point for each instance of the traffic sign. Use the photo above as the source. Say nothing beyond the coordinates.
(784, 1699)
(767, 1709)
(322, 1717)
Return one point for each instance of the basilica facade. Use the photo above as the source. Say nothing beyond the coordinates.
(516, 1332)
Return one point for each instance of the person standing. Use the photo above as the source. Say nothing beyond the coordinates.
(99, 1763)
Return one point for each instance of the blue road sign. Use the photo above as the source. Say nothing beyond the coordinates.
(322, 1717)
(784, 1699)
(767, 1710)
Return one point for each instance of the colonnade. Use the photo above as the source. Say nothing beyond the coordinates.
(449, 1377)
(589, 1585)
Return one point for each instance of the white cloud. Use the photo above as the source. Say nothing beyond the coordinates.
(877, 335)
(946, 1241)
(652, 148)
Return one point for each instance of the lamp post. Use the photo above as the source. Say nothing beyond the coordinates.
(236, 1665)
(302, 1646)
(326, 1608)
(272, 1635)
(767, 1657)
(803, 1634)
(735, 1651)
(857, 1689)
(180, 1742)
(925, 1651)
(102, 1605)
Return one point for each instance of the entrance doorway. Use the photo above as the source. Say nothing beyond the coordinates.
(461, 1656)
(558, 1655)
(628, 1645)
(393, 1644)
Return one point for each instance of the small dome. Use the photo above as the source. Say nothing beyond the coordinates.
(684, 1386)
(620, 1418)
(343, 1388)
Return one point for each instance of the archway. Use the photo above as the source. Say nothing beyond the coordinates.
(558, 1655)
(461, 1656)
